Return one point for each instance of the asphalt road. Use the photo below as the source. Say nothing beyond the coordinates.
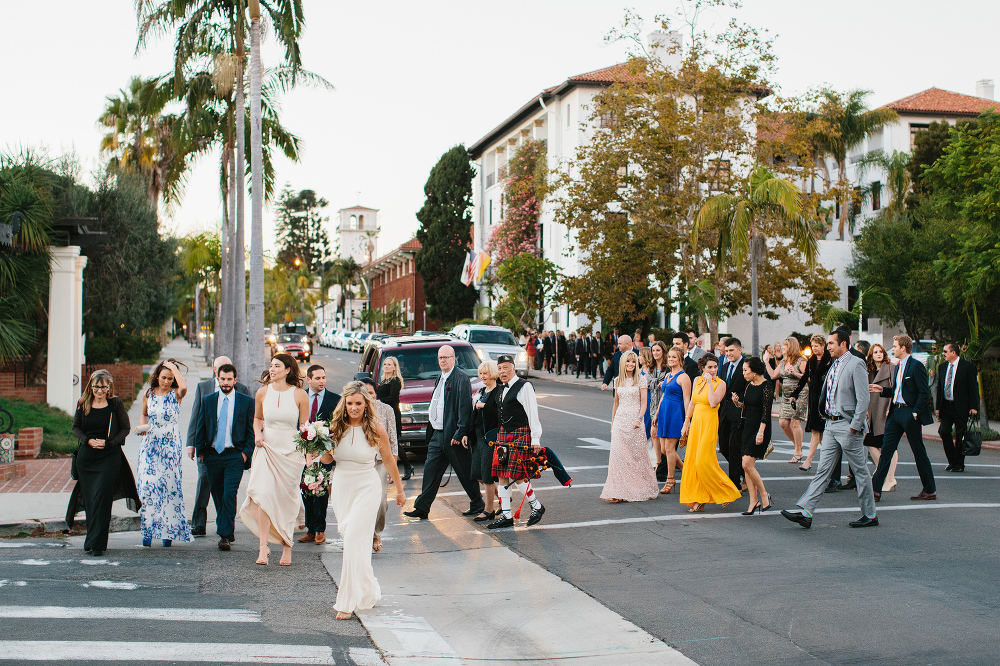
(727, 589)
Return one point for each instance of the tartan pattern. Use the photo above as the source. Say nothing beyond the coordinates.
(522, 462)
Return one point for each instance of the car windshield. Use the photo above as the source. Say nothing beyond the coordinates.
(289, 337)
(492, 338)
(422, 363)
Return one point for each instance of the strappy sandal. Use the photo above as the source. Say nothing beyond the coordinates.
(668, 486)
(697, 508)
(796, 459)
(377, 545)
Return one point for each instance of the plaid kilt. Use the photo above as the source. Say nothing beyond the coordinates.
(522, 462)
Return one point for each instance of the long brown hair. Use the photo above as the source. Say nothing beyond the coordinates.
(871, 357)
(663, 357)
(154, 376)
(294, 378)
(341, 421)
(87, 399)
(794, 351)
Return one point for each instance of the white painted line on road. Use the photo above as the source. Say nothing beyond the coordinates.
(124, 651)
(33, 563)
(582, 416)
(595, 443)
(703, 516)
(118, 613)
(111, 585)
(551, 395)
(579, 467)
(15, 583)
(365, 656)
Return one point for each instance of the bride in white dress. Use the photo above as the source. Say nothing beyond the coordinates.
(356, 494)
(273, 503)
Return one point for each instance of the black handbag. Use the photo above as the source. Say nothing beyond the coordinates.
(973, 439)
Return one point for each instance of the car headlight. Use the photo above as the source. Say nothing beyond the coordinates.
(305, 348)
(405, 407)
(280, 349)
(481, 353)
(522, 357)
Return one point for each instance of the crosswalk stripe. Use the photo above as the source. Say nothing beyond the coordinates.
(117, 613)
(233, 653)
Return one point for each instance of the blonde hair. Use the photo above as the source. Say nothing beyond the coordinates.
(491, 369)
(395, 371)
(626, 357)
(680, 356)
(794, 353)
(818, 338)
(87, 399)
(341, 421)
(904, 341)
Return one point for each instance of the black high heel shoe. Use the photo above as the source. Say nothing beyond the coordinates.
(754, 509)
(769, 504)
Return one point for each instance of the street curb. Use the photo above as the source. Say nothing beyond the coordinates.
(118, 524)
(563, 381)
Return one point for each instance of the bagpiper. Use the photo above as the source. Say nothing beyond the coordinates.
(518, 454)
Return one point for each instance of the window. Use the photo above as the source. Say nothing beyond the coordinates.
(492, 338)
(876, 195)
(853, 294)
(566, 111)
(361, 221)
(721, 172)
(491, 211)
(422, 363)
(491, 179)
(856, 202)
(353, 222)
(915, 128)
(608, 119)
(622, 172)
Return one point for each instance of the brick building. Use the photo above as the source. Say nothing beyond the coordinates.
(393, 280)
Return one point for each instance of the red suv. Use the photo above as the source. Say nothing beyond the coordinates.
(417, 358)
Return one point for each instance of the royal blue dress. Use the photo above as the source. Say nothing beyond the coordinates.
(670, 418)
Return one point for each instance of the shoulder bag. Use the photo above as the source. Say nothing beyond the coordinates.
(973, 439)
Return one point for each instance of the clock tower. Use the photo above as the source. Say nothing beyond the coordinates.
(358, 234)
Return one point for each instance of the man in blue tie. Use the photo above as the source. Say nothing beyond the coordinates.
(730, 416)
(224, 440)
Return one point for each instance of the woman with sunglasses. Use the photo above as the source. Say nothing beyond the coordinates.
(101, 424)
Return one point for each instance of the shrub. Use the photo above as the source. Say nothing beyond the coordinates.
(142, 348)
(100, 350)
(56, 425)
(991, 391)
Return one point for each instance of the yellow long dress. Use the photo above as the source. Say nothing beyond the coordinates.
(703, 481)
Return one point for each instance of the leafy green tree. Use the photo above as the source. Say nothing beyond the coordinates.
(301, 230)
(527, 280)
(928, 146)
(739, 219)
(445, 235)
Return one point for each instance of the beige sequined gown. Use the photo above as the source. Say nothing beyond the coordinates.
(631, 476)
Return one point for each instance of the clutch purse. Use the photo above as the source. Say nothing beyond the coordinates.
(491, 436)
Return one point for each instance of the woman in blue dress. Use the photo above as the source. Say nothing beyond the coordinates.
(676, 389)
(159, 464)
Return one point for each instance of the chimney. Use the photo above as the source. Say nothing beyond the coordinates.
(984, 88)
(666, 47)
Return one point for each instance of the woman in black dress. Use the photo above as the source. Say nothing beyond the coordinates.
(756, 430)
(101, 424)
(816, 368)
(485, 424)
(387, 391)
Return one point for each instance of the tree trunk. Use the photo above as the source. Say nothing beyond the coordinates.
(222, 319)
(256, 355)
(755, 324)
(240, 333)
(845, 200)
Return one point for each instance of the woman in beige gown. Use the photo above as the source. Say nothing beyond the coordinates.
(273, 502)
(356, 494)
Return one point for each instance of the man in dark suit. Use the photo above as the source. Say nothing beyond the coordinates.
(729, 414)
(690, 365)
(582, 356)
(450, 415)
(596, 355)
(224, 440)
(624, 345)
(199, 517)
(957, 401)
(549, 350)
(321, 406)
(562, 352)
(909, 410)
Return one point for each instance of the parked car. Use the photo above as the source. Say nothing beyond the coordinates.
(492, 341)
(923, 349)
(417, 359)
(358, 341)
(340, 339)
(295, 344)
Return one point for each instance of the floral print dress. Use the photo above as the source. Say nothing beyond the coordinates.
(159, 467)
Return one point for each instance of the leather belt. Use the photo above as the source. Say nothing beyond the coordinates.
(899, 404)
(835, 418)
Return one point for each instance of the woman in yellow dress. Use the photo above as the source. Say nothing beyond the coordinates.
(702, 480)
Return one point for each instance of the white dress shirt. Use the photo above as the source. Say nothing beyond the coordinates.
(897, 397)
(231, 405)
(526, 396)
(319, 403)
(436, 410)
(949, 388)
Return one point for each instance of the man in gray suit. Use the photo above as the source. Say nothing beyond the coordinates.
(199, 518)
(843, 403)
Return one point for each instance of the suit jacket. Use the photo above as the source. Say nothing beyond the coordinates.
(201, 391)
(727, 410)
(582, 347)
(852, 396)
(241, 427)
(916, 392)
(457, 406)
(594, 346)
(561, 346)
(547, 347)
(612, 372)
(697, 353)
(326, 407)
(691, 368)
(965, 389)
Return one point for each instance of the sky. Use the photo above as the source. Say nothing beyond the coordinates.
(414, 79)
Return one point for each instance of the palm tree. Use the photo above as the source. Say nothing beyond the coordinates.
(738, 220)
(846, 124)
(897, 177)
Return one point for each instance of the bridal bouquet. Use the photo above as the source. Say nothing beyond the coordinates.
(315, 480)
(314, 438)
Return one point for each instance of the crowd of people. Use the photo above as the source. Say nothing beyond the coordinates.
(678, 398)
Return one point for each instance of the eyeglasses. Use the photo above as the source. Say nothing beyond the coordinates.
(100, 388)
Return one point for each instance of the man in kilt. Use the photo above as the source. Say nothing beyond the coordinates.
(518, 454)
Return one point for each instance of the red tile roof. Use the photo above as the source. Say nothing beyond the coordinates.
(411, 245)
(623, 72)
(935, 100)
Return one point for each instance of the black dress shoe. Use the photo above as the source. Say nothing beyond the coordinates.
(833, 486)
(198, 531)
(486, 515)
(924, 496)
(224, 544)
(864, 521)
(949, 468)
(800, 518)
(416, 514)
(502, 522)
(231, 538)
(473, 512)
(958, 469)
(852, 484)
(536, 515)
(97, 553)
(407, 474)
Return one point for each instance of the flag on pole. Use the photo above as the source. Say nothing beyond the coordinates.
(469, 268)
(484, 263)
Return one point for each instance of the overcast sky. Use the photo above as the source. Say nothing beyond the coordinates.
(415, 78)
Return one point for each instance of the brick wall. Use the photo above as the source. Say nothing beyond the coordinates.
(8, 389)
(410, 286)
(126, 376)
(28, 443)
(9, 471)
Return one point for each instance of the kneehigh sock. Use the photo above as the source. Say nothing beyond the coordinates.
(504, 493)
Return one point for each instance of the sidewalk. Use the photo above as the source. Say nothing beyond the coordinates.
(39, 499)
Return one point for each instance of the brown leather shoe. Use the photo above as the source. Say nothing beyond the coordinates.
(308, 537)
(924, 496)
(878, 497)
(320, 537)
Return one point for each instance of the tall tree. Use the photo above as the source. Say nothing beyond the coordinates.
(445, 235)
(300, 229)
(739, 220)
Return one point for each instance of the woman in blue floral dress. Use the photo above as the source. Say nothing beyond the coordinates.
(159, 465)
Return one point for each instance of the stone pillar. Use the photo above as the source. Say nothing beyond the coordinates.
(80, 355)
(64, 329)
